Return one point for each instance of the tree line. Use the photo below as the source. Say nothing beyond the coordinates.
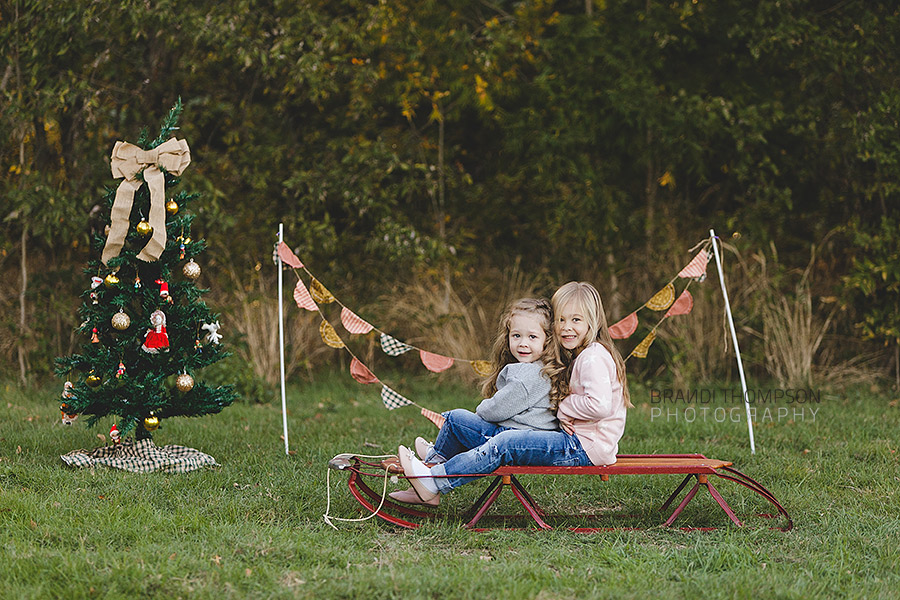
(404, 139)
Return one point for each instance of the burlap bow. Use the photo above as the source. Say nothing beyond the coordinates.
(127, 161)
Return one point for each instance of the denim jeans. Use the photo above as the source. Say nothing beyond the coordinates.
(511, 447)
(462, 431)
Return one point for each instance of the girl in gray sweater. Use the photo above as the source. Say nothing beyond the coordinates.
(516, 393)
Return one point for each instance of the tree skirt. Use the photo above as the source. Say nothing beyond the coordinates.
(142, 456)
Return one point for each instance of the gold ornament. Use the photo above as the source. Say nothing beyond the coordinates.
(144, 228)
(93, 379)
(191, 270)
(172, 207)
(106, 231)
(111, 280)
(184, 383)
(121, 320)
(151, 423)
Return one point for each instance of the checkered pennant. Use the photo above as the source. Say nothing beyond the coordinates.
(392, 399)
(392, 346)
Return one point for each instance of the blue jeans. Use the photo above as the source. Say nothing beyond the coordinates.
(462, 431)
(511, 447)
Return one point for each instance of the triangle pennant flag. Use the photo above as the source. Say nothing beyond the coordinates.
(696, 269)
(361, 372)
(682, 306)
(352, 323)
(392, 399)
(319, 293)
(624, 328)
(481, 367)
(330, 336)
(288, 257)
(641, 350)
(436, 418)
(392, 346)
(435, 362)
(662, 299)
(302, 297)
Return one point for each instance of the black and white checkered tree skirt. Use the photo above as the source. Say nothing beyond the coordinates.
(141, 457)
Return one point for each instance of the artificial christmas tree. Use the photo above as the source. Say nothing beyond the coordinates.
(143, 318)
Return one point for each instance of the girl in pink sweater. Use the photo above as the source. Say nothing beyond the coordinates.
(588, 389)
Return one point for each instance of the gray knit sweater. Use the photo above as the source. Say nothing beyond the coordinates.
(522, 400)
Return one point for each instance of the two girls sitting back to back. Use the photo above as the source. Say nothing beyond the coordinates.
(587, 389)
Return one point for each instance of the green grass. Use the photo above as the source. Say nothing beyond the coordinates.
(253, 527)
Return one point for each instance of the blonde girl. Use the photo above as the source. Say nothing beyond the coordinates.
(591, 411)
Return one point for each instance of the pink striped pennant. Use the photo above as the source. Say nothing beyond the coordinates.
(697, 267)
(682, 306)
(288, 257)
(352, 323)
(435, 362)
(302, 297)
(361, 372)
(624, 328)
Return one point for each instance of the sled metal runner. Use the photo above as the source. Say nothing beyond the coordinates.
(695, 467)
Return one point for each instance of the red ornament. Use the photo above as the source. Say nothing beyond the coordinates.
(156, 340)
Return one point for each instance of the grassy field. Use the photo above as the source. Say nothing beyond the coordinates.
(253, 527)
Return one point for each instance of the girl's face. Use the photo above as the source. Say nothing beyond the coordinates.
(526, 337)
(571, 326)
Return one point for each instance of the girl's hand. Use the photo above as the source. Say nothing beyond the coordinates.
(567, 427)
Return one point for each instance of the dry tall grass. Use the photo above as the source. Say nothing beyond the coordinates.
(252, 310)
(457, 320)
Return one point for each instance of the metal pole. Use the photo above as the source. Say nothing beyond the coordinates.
(281, 337)
(737, 350)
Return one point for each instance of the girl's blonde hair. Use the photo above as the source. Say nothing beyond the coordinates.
(500, 353)
(558, 362)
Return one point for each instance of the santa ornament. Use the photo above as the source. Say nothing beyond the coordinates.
(114, 435)
(156, 340)
(164, 291)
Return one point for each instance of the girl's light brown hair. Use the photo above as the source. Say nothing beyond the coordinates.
(500, 353)
(558, 361)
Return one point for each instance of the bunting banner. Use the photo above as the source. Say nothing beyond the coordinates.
(696, 269)
(641, 350)
(392, 346)
(288, 257)
(361, 372)
(354, 324)
(329, 335)
(436, 418)
(624, 328)
(682, 306)
(482, 368)
(302, 297)
(319, 293)
(392, 399)
(435, 362)
(662, 299)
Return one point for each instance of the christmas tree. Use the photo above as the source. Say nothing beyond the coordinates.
(147, 331)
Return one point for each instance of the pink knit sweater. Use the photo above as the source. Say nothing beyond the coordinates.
(595, 407)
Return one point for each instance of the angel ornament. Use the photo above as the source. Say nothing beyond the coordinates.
(213, 336)
(156, 340)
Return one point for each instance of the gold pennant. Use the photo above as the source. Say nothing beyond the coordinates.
(330, 336)
(662, 299)
(482, 367)
(641, 350)
(319, 293)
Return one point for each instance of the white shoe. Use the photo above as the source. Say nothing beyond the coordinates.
(419, 475)
(423, 447)
(410, 496)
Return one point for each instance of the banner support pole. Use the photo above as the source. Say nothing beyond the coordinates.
(281, 336)
(737, 350)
